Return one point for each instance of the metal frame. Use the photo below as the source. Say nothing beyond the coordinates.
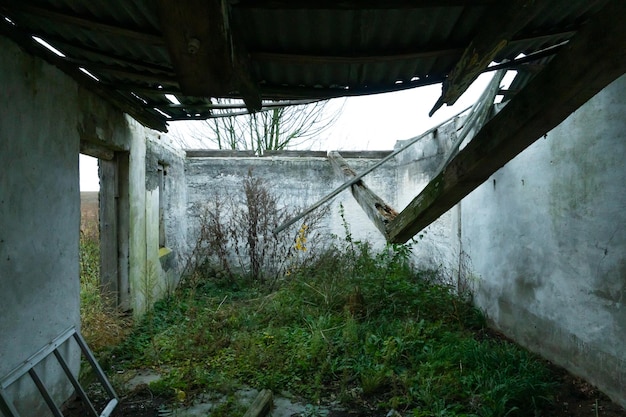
(28, 366)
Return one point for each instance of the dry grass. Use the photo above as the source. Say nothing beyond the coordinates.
(102, 324)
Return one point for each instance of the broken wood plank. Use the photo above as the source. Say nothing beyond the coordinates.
(379, 212)
(261, 405)
(594, 58)
(477, 117)
(498, 26)
(349, 183)
(205, 56)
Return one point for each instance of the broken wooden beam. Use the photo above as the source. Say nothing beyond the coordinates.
(261, 405)
(593, 59)
(379, 212)
(498, 26)
(354, 180)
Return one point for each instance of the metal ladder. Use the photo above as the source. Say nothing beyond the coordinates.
(28, 366)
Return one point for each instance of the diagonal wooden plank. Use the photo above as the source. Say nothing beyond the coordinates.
(498, 26)
(379, 212)
(594, 58)
(201, 47)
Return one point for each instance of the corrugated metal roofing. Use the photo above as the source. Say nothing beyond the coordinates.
(297, 50)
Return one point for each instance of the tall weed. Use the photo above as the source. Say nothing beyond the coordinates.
(236, 238)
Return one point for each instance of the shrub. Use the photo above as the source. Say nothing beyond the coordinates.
(236, 237)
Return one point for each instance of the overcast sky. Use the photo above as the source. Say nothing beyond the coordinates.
(373, 122)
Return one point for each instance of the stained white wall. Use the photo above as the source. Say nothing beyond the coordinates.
(296, 181)
(39, 217)
(44, 115)
(545, 237)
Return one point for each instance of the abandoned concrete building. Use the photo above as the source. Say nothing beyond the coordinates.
(530, 210)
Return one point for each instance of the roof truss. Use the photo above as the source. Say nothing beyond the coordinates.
(545, 102)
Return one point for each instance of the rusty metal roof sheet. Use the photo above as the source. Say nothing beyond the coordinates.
(292, 50)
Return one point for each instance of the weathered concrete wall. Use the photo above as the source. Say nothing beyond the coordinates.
(152, 269)
(297, 181)
(44, 115)
(164, 195)
(437, 247)
(39, 218)
(546, 241)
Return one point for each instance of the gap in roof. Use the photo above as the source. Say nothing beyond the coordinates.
(172, 98)
(89, 73)
(47, 46)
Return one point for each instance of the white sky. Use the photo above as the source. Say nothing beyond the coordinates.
(373, 122)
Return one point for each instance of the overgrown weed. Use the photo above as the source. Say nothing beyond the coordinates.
(354, 324)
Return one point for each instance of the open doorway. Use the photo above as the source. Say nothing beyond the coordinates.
(89, 190)
(104, 246)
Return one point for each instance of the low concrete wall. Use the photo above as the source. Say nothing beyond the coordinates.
(298, 181)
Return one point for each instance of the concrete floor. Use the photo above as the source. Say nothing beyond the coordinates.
(282, 406)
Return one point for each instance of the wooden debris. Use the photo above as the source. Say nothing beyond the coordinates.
(379, 212)
(261, 405)
(564, 85)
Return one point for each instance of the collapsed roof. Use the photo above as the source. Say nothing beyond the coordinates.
(168, 60)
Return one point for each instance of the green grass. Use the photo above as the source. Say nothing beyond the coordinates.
(359, 326)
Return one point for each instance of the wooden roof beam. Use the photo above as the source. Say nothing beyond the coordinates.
(83, 22)
(26, 42)
(356, 4)
(203, 53)
(379, 212)
(443, 50)
(593, 59)
(498, 26)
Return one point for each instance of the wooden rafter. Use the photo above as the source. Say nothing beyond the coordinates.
(229, 106)
(100, 55)
(153, 38)
(445, 50)
(202, 50)
(128, 73)
(498, 26)
(594, 58)
(358, 4)
(26, 42)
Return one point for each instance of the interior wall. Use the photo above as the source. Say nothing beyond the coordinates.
(39, 218)
(44, 116)
(437, 247)
(159, 220)
(545, 238)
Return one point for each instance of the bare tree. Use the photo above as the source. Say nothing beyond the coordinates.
(274, 129)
